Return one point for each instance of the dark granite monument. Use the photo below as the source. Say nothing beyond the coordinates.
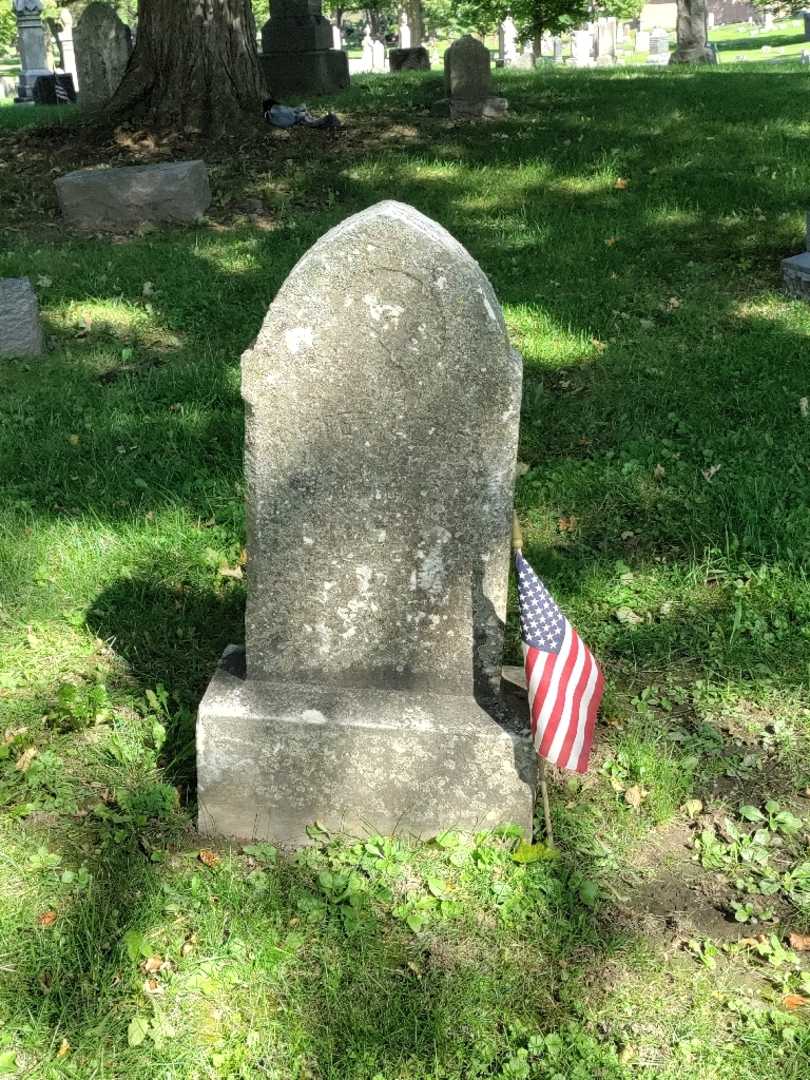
(297, 55)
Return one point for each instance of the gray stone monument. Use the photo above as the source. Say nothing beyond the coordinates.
(297, 55)
(796, 269)
(103, 48)
(31, 43)
(806, 25)
(383, 403)
(605, 40)
(467, 80)
(20, 329)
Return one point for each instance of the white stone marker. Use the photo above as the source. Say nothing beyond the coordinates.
(383, 402)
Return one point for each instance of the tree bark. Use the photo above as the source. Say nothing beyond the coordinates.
(194, 66)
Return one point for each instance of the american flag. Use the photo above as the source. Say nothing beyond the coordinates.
(563, 679)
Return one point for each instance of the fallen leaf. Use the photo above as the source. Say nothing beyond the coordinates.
(692, 807)
(64, 1049)
(148, 289)
(611, 241)
(800, 942)
(209, 858)
(153, 988)
(231, 572)
(795, 1001)
(44, 282)
(621, 184)
(152, 964)
(628, 616)
(659, 472)
(711, 472)
(187, 948)
(47, 918)
(673, 303)
(567, 524)
(635, 796)
(23, 762)
(522, 468)
(74, 440)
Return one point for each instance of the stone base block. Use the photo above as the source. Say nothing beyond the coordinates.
(796, 275)
(20, 329)
(125, 198)
(274, 757)
(491, 108)
(413, 59)
(323, 72)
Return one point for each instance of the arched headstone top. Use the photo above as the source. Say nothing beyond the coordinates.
(383, 403)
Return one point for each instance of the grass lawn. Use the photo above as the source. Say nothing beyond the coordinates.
(785, 40)
(632, 222)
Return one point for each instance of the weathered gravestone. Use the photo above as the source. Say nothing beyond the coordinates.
(796, 269)
(124, 198)
(468, 81)
(806, 25)
(20, 329)
(383, 402)
(103, 47)
(297, 55)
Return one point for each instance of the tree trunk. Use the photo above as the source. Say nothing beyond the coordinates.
(194, 67)
(416, 21)
(693, 34)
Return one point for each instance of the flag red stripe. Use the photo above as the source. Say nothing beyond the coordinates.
(554, 717)
(582, 764)
(574, 720)
(542, 689)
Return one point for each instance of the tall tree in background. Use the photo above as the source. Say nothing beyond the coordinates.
(693, 34)
(195, 66)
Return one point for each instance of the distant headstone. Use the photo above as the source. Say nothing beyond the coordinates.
(368, 50)
(767, 20)
(416, 58)
(605, 41)
(508, 43)
(297, 56)
(805, 57)
(642, 41)
(558, 50)
(659, 47)
(806, 25)
(8, 87)
(103, 48)
(468, 80)
(20, 329)
(524, 61)
(115, 199)
(710, 20)
(404, 32)
(582, 48)
(31, 45)
(62, 30)
(377, 55)
(383, 403)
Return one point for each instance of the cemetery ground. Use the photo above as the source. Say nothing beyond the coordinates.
(632, 224)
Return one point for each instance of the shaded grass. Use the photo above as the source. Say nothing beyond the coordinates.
(632, 224)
